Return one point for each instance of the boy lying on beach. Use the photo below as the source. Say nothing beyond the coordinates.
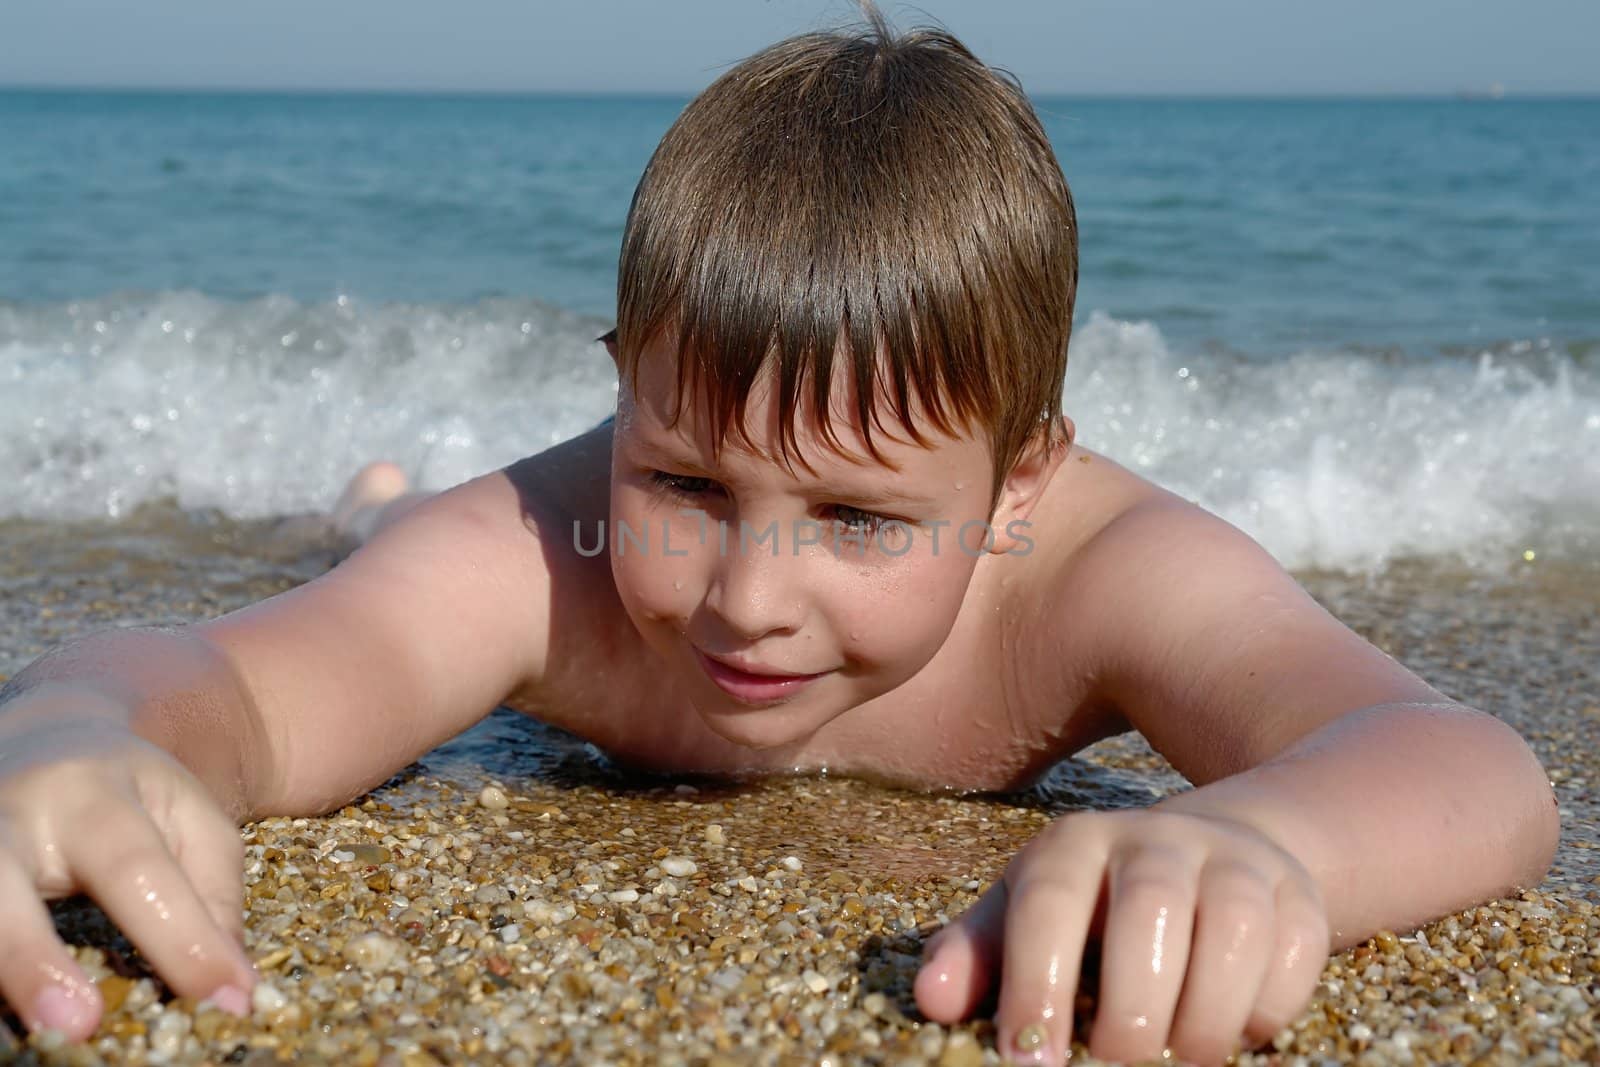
(838, 521)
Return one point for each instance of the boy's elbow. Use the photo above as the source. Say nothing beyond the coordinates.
(1535, 850)
(1545, 834)
(1532, 795)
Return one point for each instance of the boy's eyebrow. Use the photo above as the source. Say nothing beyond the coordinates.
(878, 496)
(844, 493)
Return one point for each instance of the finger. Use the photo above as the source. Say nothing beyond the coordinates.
(38, 976)
(207, 847)
(1052, 896)
(1300, 950)
(145, 892)
(1234, 931)
(962, 962)
(1144, 953)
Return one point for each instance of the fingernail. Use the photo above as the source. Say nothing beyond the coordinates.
(59, 1008)
(940, 965)
(232, 1000)
(1031, 1044)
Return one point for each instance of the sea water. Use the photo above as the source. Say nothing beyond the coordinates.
(1360, 330)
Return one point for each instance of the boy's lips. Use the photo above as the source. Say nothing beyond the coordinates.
(752, 683)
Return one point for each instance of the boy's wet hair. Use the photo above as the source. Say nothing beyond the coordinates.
(864, 203)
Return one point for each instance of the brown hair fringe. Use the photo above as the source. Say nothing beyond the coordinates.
(884, 207)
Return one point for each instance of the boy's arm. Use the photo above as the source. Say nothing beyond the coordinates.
(300, 702)
(166, 685)
(412, 639)
(1337, 795)
(120, 753)
(1402, 803)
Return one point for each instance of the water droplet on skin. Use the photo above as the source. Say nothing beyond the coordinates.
(960, 486)
(677, 583)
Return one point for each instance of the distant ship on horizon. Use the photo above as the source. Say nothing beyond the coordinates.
(1496, 91)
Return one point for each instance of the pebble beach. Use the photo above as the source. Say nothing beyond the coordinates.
(513, 898)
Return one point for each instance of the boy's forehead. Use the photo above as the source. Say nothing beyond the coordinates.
(651, 405)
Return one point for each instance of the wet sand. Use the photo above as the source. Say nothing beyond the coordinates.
(513, 899)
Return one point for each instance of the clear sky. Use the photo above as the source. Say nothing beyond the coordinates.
(1077, 46)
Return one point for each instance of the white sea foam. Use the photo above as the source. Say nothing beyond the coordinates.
(266, 407)
(1347, 460)
(1335, 459)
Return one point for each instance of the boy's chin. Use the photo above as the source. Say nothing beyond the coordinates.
(768, 729)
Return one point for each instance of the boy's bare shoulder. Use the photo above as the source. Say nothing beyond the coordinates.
(420, 632)
(568, 481)
(1197, 636)
(564, 494)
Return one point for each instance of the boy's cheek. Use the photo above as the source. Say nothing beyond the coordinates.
(657, 589)
(900, 622)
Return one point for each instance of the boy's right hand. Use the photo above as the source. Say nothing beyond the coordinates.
(88, 806)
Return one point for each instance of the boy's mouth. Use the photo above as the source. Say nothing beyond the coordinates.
(752, 683)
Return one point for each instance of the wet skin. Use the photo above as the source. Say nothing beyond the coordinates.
(1329, 804)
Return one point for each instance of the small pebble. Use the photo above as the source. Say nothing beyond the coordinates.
(792, 863)
(266, 998)
(372, 951)
(679, 866)
(494, 798)
(49, 1040)
(166, 1037)
(491, 894)
(960, 1050)
(369, 855)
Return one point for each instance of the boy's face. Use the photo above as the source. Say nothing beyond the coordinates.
(784, 597)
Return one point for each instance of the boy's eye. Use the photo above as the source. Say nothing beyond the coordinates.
(682, 484)
(856, 519)
(852, 520)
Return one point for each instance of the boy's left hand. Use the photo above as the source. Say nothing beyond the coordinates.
(1212, 935)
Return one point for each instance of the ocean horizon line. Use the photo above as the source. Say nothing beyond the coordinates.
(1464, 94)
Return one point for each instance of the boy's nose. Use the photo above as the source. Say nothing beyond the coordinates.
(754, 594)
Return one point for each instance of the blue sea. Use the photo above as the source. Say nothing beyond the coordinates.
(1361, 330)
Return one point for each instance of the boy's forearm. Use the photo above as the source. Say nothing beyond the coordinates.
(1402, 813)
(170, 687)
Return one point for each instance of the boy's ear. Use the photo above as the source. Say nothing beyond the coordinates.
(610, 340)
(1025, 486)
